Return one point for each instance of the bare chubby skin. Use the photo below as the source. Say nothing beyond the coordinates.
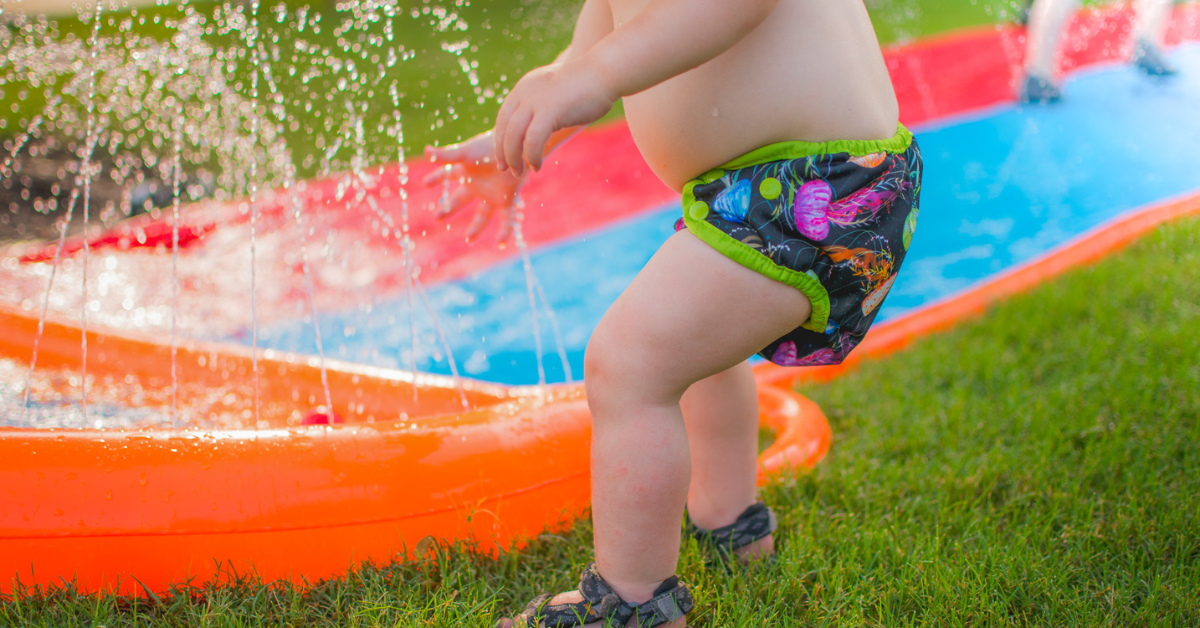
(674, 407)
(769, 71)
(811, 71)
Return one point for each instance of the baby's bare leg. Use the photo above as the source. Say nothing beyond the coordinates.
(692, 313)
(721, 414)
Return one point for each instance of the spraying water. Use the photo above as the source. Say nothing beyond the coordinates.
(280, 110)
(169, 105)
(86, 168)
(45, 307)
(518, 219)
(410, 272)
(176, 176)
(252, 45)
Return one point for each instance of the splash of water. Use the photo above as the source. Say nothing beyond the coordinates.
(414, 282)
(252, 44)
(176, 177)
(62, 238)
(559, 344)
(518, 221)
(86, 168)
(197, 116)
(166, 84)
(281, 116)
(410, 273)
(31, 131)
(462, 395)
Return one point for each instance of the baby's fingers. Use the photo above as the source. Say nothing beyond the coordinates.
(514, 140)
(453, 152)
(498, 132)
(482, 217)
(506, 224)
(439, 175)
(456, 201)
(536, 137)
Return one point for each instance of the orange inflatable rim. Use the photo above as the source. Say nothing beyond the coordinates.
(95, 507)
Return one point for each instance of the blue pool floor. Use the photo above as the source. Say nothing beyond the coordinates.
(1001, 187)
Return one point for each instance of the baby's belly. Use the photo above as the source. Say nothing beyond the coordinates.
(780, 83)
(684, 131)
(696, 122)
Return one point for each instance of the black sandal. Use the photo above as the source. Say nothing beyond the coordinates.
(671, 601)
(755, 523)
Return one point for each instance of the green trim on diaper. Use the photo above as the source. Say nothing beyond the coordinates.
(756, 261)
(695, 212)
(780, 151)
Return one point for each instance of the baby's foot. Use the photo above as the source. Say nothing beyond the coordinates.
(749, 538)
(1041, 90)
(574, 597)
(762, 549)
(1149, 58)
(597, 603)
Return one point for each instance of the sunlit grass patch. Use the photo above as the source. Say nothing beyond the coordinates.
(1037, 466)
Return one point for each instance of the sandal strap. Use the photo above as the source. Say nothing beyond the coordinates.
(755, 523)
(602, 599)
(600, 603)
(671, 601)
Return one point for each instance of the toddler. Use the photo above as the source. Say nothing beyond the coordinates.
(776, 121)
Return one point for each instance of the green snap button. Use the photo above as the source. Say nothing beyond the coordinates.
(770, 188)
(698, 210)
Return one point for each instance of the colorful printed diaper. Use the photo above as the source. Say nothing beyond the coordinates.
(832, 219)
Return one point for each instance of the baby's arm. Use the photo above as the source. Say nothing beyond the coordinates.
(664, 39)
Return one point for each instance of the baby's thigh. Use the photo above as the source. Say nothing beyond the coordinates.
(691, 313)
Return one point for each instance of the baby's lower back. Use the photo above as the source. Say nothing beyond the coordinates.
(812, 71)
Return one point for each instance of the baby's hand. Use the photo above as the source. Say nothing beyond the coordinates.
(472, 166)
(548, 99)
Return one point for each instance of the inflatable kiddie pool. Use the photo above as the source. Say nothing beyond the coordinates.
(102, 507)
(401, 456)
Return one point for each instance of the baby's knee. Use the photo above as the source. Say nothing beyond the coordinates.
(615, 374)
(602, 368)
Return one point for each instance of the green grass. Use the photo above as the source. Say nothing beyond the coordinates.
(898, 21)
(1039, 466)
